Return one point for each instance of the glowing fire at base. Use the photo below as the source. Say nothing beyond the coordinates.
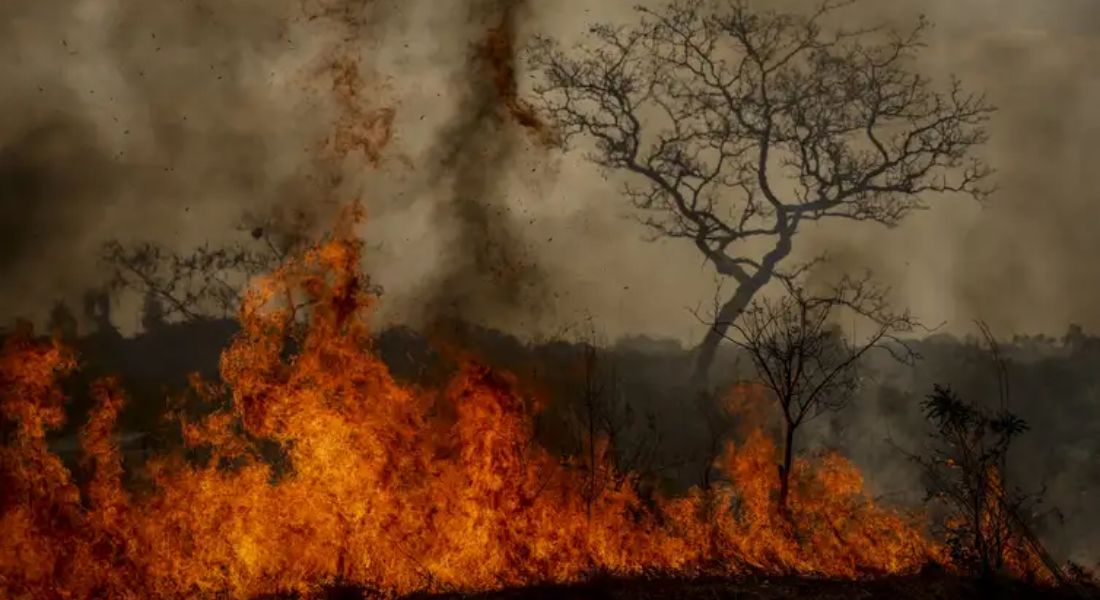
(389, 487)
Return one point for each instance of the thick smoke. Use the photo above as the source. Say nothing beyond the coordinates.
(1028, 248)
(489, 268)
(168, 120)
(158, 121)
(1020, 262)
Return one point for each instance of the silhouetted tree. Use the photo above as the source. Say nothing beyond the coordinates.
(966, 468)
(737, 126)
(990, 522)
(805, 361)
(1075, 338)
(209, 280)
(614, 444)
(607, 438)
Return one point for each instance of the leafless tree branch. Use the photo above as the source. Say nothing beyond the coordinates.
(738, 125)
(801, 356)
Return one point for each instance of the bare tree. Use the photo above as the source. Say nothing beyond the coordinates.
(718, 425)
(616, 445)
(209, 280)
(803, 359)
(966, 470)
(991, 523)
(735, 127)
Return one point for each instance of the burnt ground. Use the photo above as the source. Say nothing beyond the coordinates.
(921, 587)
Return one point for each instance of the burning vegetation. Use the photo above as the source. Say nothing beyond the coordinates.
(383, 485)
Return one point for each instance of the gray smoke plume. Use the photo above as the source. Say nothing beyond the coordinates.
(489, 270)
(167, 120)
(158, 121)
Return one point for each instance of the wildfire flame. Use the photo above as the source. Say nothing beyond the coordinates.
(385, 485)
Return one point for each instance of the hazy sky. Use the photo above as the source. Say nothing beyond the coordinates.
(1025, 262)
(164, 120)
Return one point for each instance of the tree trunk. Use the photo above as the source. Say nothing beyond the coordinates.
(785, 468)
(730, 311)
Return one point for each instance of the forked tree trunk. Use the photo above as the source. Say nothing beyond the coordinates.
(730, 311)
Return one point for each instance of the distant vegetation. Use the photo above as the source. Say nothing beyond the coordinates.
(633, 391)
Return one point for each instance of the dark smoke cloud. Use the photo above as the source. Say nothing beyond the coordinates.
(490, 272)
(175, 116)
(42, 201)
(168, 121)
(162, 121)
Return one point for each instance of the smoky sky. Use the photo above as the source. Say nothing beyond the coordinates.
(1022, 262)
(489, 268)
(167, 120)
(159, 121)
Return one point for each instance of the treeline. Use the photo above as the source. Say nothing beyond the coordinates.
(635, 392)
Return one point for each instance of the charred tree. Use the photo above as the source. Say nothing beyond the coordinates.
(803, 359)
(208, 281)
(990, 527)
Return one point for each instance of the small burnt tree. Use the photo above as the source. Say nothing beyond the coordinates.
(989, 523)
(804, 360)
(965, 468)
(616, 446)
(738, 126)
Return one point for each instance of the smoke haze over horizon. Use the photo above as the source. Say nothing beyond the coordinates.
(129, 122)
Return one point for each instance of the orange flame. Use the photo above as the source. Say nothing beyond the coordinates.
(384, 485)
